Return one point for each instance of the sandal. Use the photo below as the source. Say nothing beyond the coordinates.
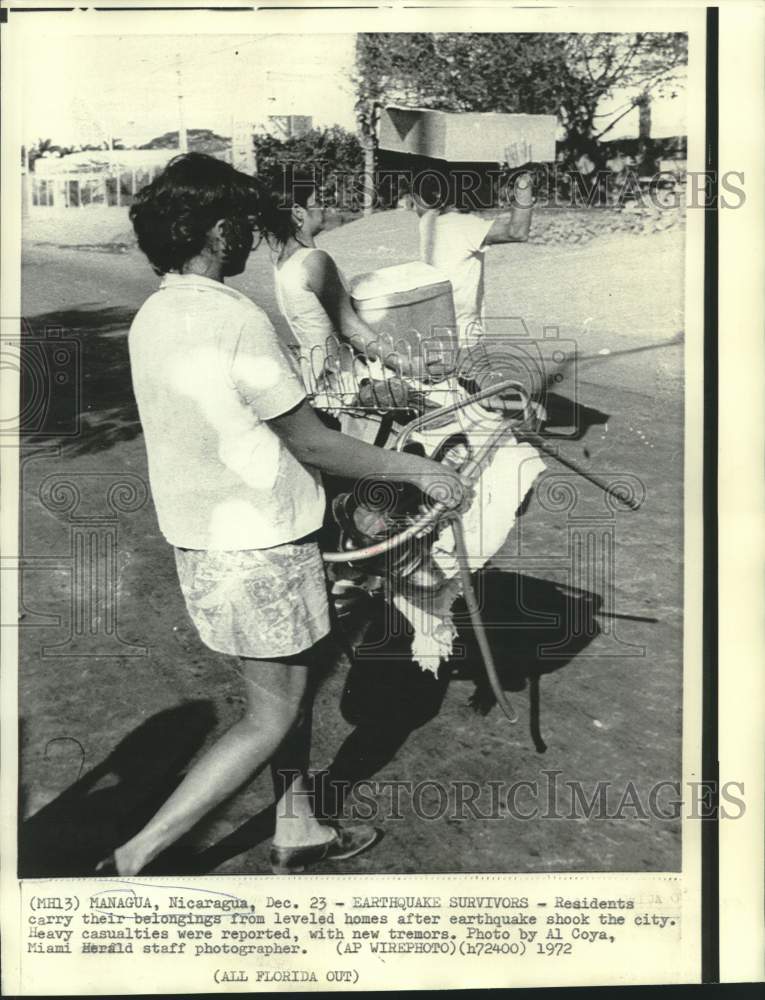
(347, 843)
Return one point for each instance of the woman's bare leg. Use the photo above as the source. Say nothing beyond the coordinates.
(275, 693)
(296, 823)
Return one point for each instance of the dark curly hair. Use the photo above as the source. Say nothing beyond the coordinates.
(172, 215)
(275, 220)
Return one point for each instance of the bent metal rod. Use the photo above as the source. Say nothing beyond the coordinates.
(440, 512)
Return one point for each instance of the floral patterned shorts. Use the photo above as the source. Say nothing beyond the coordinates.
(260, 603)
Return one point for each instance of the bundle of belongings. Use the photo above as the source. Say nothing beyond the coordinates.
(421, 577)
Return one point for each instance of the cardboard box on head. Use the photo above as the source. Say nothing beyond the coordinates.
(467, 137)
(462, 159)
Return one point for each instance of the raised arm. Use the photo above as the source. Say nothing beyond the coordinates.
(513, 227)
(325, 282)
(314, 444)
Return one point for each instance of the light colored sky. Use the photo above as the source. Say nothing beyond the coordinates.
(85, 88)
(668, 114)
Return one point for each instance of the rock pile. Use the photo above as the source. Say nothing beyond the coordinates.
(581, 225)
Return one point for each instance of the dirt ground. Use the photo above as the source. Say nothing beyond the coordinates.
(110, 721)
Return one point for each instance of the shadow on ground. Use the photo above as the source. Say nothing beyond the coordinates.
(530, 625)
(387, 699)
(110, 803)
(569, 419)
(384, 697)
(75, 379)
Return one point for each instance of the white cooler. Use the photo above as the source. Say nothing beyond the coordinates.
(411, 307)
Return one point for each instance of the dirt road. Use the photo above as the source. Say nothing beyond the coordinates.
(109, 724)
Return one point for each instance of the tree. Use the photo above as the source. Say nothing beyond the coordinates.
(387, 68)
(47, 147)
(645, 64)
(330, 155)
(534, 73)
(514, 73)
(201, 140)
(43, 147)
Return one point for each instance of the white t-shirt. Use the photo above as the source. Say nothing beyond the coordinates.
(208, 371)
(452, 242)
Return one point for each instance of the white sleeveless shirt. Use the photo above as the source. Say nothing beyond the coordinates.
(316, 339)
(300, 305)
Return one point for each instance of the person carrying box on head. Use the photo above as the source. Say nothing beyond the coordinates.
(454, 237)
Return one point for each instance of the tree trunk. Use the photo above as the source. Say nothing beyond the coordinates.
(367, 121)
(644, 111)
(370, 163)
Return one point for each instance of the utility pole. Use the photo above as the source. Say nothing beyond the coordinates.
(644, 111)
(243, 147)
(183, 140)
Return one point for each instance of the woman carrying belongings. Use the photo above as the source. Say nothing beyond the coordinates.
(348, 369)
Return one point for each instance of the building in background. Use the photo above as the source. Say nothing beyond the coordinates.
(111, 178)
(289, 126)
(107, 178)
(100, 178)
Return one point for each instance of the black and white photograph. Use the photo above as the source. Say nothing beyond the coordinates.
(358, 443)
(417, 298)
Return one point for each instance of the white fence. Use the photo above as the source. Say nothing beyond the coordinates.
(85, 190)
(102, 179)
